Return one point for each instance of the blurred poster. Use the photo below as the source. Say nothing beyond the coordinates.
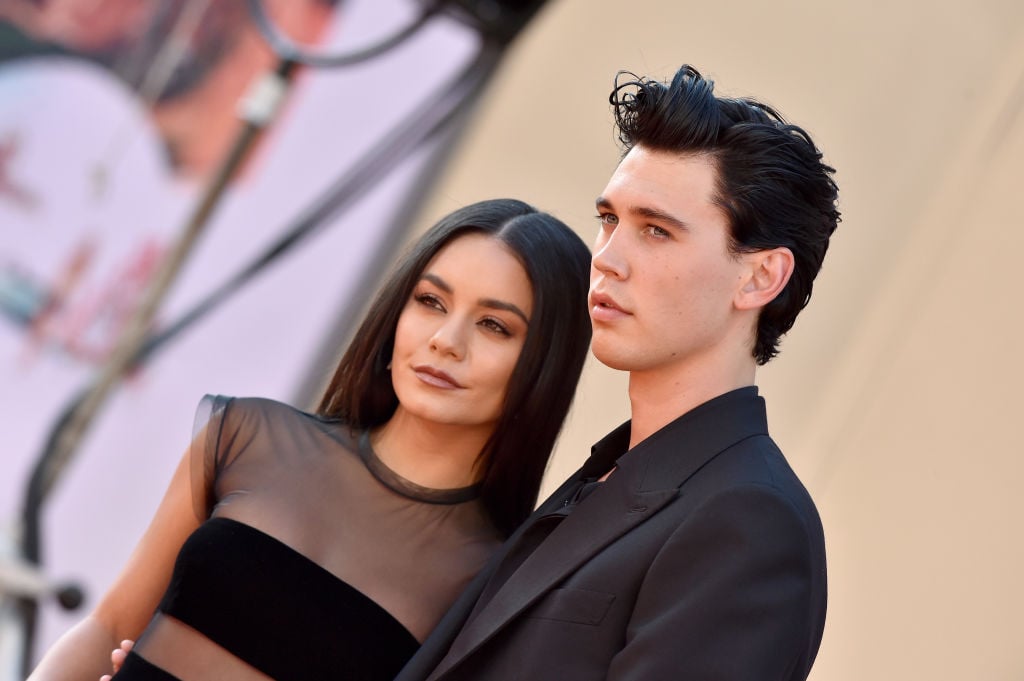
(113, 113)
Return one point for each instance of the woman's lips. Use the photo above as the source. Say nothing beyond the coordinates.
(436, 377)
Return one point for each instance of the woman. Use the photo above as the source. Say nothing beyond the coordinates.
(303, 546)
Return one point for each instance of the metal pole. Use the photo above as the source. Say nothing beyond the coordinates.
(257, 111)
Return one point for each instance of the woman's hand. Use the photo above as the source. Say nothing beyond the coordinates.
(117, 657)
(82, 653)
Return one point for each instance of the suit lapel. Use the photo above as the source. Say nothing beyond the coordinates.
(646, 480)
(615, 510)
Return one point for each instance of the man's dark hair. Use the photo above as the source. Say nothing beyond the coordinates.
(772, 183)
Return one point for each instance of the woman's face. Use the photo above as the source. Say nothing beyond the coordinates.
(460, 333)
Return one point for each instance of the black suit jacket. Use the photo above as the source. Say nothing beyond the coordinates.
(701, 557)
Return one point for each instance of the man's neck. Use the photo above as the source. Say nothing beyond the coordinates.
(660, 396)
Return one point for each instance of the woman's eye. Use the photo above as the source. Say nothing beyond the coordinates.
(430, 300)
(495, 326)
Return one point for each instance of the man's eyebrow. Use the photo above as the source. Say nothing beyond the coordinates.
(646, 212)
(485, 302)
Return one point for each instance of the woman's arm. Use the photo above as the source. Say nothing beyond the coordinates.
(83, 653)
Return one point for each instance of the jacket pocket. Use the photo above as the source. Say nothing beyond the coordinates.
(578, 606)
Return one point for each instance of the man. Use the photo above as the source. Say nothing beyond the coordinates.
(685, 547)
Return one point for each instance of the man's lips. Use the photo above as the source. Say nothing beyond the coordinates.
(604, 308)
(436, 377)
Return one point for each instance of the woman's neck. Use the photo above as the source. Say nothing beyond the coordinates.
(430, 454)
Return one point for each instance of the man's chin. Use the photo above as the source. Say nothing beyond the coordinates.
(612, 356)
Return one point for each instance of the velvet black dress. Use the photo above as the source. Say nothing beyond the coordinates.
(314, 561)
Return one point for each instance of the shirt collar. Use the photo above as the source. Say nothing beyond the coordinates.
(694, 424)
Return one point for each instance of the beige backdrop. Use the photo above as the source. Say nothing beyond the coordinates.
(896, 396)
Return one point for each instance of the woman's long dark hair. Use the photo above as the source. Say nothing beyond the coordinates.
(544, 379)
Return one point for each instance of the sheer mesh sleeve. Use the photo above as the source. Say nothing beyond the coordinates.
(206, 451)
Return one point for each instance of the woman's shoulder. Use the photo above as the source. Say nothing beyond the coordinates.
(259, 430)
(254, 407)
(239, 414)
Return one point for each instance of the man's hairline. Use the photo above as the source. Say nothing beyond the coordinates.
(713, 157)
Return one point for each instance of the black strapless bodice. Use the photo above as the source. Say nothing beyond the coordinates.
(239, 586)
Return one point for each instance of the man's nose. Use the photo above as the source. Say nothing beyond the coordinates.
(610, 258)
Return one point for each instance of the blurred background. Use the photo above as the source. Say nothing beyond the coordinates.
(895, 397)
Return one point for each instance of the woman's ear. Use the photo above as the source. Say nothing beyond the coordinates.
(767, 274)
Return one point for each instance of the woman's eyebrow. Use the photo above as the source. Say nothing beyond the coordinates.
(437, 281)
(492, 303)
(502, 305)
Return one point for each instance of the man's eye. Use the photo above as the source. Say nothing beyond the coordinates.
(608, 219)
(654, 230)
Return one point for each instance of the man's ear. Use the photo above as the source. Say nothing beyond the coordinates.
(767, 274)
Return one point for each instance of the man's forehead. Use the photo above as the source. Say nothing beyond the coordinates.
(659, 179)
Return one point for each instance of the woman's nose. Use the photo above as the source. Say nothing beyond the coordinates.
(449, 339)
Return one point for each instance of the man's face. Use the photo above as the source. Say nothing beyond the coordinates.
(663, 282)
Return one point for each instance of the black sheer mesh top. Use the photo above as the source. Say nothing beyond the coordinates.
(314, 559)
